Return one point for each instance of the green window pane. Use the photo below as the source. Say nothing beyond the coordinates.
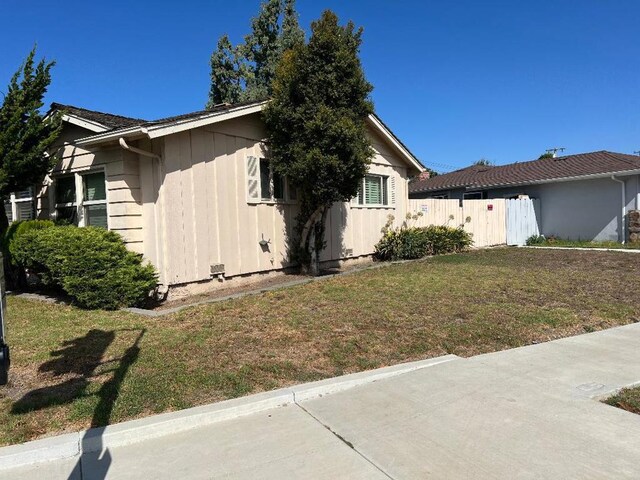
(65, 190)
(96, 215)
(265, 181)
(373, 190)
(8, 210)
(25, 211)
(67, 215)
(278, 186)
(28, 193)
(94, 186)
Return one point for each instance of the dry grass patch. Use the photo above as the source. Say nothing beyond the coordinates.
(74, 369)
(628, 399)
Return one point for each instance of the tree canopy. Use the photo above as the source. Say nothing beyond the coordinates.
(25, 136)
(316, 124)
(245, 72)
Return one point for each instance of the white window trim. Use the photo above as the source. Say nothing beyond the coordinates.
(80, 202)
(14, 204)
(388, 206)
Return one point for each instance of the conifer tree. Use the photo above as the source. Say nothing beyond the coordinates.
(316, 126)
(25, 136)
(245, 72)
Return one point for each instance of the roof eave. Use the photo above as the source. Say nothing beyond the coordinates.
(593, 176)
(395, 142)
(204, 120)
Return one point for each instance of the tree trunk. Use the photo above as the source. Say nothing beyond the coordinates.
(307, 241)
(315, 242)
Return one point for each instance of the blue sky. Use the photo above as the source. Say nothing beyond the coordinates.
(456, 81)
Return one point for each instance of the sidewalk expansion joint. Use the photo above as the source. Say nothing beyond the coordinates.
(341, 438)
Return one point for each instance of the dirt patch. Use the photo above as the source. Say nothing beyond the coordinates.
(273, 280)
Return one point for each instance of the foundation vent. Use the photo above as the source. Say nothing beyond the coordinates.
(217, 268)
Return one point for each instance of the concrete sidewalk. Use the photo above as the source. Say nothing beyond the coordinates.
(530, 412)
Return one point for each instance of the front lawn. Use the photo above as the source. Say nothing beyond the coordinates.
(73, 369)
(611, 245)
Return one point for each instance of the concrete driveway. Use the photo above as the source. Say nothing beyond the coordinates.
(530, 412)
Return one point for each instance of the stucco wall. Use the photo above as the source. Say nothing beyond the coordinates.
(577, 210)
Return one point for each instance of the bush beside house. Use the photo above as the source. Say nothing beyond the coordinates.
(408, 243)
(91, 265)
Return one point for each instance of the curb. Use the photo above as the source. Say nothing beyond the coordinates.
(100, 439)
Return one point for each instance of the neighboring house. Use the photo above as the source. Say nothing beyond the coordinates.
(195, 194)
(583, 196)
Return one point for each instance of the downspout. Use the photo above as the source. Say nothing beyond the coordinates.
(623, 235)
(123, 143)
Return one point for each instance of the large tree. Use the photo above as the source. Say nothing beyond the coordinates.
(245, 72)
(25, 136)
(316, 126)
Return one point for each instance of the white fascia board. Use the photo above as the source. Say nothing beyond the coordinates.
(108, 136)
(84, 123)
(389, 137)
(204, 120)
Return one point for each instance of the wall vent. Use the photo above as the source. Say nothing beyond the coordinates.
(348, 251)
(217, 268)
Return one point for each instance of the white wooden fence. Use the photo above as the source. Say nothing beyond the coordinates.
(523, 220)
(483, 219)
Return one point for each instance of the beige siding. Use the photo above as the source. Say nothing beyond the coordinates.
(122, 174)
(209, 220)
(188, 209)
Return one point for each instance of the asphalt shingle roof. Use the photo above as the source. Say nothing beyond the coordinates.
(115, 122)
(479, 176)
(109, 120)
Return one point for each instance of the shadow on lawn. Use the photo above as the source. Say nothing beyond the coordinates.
(82, 357)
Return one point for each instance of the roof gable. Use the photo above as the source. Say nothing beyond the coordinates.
(170, 125)
(93, 120)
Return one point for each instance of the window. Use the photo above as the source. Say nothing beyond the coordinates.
(474, 195)
(376, 190)
(271, 184)
(20, 205)
(95, 200)
(265, 185)
(66, 205)
(90, 202)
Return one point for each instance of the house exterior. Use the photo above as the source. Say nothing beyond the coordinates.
(582, 197)
(195, 195)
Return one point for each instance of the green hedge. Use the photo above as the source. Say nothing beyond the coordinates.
(418, 242)
(91, 265)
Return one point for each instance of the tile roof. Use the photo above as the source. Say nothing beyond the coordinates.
(522, 173)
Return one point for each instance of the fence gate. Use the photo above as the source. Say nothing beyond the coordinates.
(523, 220)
